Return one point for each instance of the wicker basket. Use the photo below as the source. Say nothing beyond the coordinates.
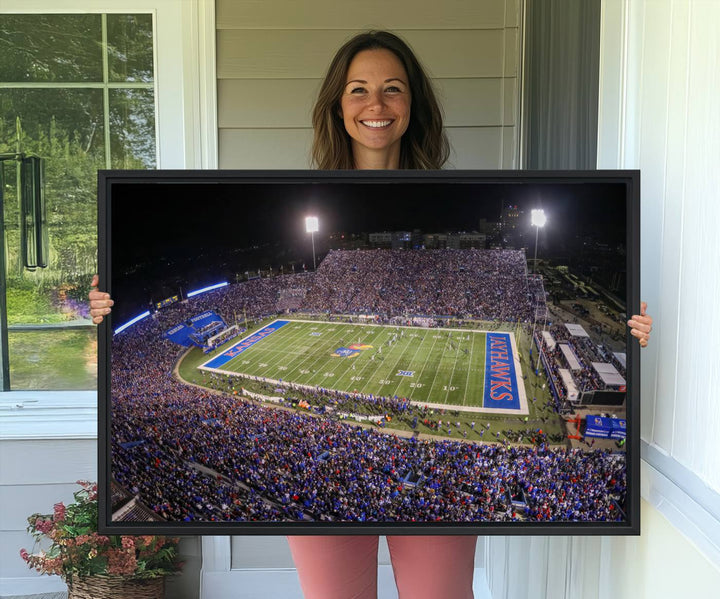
(116, 587)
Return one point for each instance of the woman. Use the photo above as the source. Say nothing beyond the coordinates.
(377, 110)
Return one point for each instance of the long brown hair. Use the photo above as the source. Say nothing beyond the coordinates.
(424, 144)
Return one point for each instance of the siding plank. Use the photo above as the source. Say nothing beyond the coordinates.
(261, 103)
(471, 102)
(475, 147)
(510, 148)
(265, 148)
(275, 103)
(282, 54)
(370, 14)
(51, 461)
(512, 52)
(11, 564)
(471, 148)
(512, 13)
(19, 501)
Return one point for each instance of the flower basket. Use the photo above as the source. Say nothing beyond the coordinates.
(116, 587)
(96, 566)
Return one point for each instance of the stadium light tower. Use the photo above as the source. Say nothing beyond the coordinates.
(311, 226)
(537, 220)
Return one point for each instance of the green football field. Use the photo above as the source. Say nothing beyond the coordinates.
(434, 366)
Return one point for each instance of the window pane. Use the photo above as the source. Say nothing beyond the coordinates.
(50, 48)
(53, 359)
(132, 128)
(53, 121)
(65, 128)
(130, 48)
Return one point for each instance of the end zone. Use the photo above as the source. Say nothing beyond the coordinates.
(223, 358)
(504, 390)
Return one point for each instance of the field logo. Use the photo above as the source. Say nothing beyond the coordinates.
(351, 351)
(405, 373)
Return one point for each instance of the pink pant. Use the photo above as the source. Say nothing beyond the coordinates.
(345, 567)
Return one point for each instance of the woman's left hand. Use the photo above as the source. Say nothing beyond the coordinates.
(641, 325)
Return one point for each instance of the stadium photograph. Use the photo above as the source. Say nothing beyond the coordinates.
(367, 353)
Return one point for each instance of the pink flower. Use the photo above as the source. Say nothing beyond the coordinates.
(128, 542)
(121, 562)
(44, 526)
(53, 565)
(59, 509)
(24, 555)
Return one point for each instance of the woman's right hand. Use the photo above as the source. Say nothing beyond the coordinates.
(100, 302)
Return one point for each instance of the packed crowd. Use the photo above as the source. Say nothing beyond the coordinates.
(197, 455)
(256, 298)
(482, 284)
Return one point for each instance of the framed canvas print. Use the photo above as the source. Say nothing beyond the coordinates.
(392, 352)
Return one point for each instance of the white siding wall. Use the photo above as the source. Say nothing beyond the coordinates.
(659, 87)
(670, 129)
(272, 56)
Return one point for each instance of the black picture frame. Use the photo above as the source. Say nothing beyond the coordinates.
(173, 224)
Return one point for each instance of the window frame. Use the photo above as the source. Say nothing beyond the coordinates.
(186, 137)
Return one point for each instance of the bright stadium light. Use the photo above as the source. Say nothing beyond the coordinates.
(312, 226)
(538, 217)
(204, 289)
(537, 220)
(138, 318)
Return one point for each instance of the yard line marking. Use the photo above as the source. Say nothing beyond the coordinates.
(457, 356)
(467, 378)
(408, 343)
(278, 357)
(273, 357)
(375, 342)
(427, 357)
(432, 386)
(394, 369)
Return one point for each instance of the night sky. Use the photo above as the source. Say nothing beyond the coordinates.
(165, 235)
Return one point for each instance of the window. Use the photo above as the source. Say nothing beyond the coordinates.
(78, 91)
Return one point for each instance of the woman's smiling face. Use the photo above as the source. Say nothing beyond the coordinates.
(375, 107)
